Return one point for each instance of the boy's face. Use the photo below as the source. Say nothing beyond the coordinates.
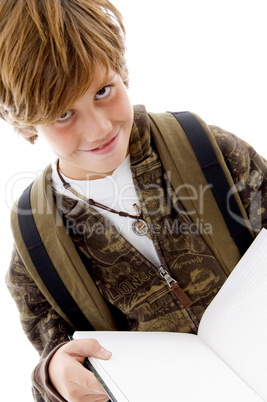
(92, 138)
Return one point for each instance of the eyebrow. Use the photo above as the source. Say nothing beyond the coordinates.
(108, 77)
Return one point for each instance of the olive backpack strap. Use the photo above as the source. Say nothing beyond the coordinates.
(197, 171)
(215, 176)
(43, 264)
(52, 260)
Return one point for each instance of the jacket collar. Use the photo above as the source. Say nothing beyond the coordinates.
(140, 139)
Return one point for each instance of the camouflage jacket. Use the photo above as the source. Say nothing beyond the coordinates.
(139, 299)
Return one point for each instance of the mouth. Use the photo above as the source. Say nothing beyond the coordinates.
(106, 148)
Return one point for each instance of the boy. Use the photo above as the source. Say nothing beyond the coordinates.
(64, 77)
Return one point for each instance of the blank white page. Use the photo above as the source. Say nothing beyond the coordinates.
(165, 366)
(235, 323)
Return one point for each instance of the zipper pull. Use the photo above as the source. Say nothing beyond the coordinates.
(184, 299)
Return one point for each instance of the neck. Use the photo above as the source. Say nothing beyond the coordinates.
(78, 174)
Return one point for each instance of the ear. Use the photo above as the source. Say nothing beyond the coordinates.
(125, 77)
(125, 74)
(29, 135)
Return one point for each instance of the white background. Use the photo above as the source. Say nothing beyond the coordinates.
(205, 56)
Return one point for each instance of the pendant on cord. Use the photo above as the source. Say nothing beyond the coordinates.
(140, 227)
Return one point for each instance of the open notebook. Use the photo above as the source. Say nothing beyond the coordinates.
(226, 361)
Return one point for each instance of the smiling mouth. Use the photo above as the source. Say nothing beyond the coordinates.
(105, 148)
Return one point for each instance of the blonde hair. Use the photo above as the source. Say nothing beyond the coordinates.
(49, 50)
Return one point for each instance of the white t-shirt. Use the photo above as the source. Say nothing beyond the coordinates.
(117, 192)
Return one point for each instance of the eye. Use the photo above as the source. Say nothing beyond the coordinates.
(102, 93)
(65, 116)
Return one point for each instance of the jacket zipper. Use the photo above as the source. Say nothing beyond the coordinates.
(172, 283)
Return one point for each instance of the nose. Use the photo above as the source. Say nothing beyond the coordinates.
(96, 125)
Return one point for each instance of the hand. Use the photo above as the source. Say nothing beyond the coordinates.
(70, 378)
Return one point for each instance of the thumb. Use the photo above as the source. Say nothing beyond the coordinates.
(82, 348)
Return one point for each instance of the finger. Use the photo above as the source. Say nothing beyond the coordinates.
(91, 398)
(82, 383)
(85, 378)
(68, 375)
(82, 348)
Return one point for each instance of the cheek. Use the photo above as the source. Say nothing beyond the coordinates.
(123, 107)
(60, 141)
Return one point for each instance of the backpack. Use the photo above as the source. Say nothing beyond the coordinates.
(51, 257)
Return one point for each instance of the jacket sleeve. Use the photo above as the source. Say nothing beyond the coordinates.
(249, 173)
(45, 329)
